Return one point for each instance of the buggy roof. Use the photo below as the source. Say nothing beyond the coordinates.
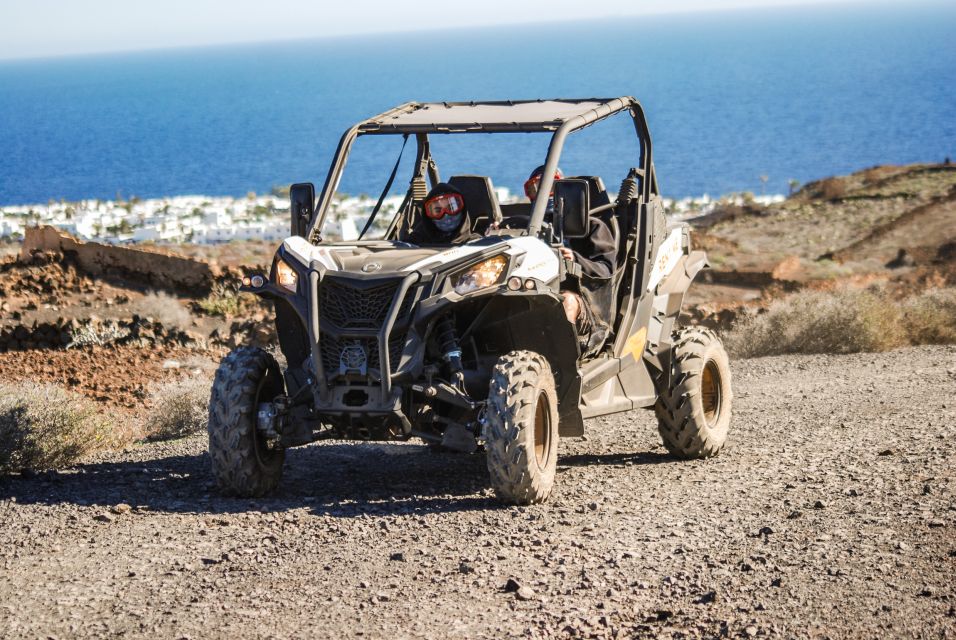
(492, 116)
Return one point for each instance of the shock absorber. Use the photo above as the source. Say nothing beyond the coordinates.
(448, 343)
(628, 189)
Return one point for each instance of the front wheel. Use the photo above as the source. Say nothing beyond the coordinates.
(522, 428)
(243, 462)
(694, 400)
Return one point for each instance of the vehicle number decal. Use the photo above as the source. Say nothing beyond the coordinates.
(667, 258)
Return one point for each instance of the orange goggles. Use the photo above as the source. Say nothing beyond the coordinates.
(533, 183)
(446, 204)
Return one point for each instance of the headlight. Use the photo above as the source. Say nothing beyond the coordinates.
(482, 275)
(286, 275)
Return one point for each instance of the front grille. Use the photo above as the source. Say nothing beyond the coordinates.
(353, 308)
(344, 308)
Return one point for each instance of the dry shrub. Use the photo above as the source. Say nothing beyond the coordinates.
(45, 427)
(165, 308)
(846, 321)
(833, 188)
(179, 408)
(930, 317)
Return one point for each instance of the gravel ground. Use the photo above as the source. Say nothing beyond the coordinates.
(830, 513)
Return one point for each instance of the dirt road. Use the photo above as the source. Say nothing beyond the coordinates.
(830, 513)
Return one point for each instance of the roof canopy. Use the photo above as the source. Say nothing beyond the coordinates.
(518, 115)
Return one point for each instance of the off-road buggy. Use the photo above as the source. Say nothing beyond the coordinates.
(469, 346)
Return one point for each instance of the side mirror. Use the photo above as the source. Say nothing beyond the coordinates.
(301, 207)
(572, 203)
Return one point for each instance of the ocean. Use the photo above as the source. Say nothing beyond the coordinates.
(743, 100)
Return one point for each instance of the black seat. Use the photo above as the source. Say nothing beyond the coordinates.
(481, 200)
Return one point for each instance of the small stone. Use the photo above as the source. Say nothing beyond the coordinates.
(104, 517)
(765, 531)
(511, 586)
(819, 504)
(464, 567)
(121, 508)
(936, 523)
(776, 582)
(885, 452)
(593, 506)
(751, 631)
(398, 556)
(794, 515)
(524, 593)
(707, 598)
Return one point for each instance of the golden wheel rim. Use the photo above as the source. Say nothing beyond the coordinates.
(710, 392)
(542, 429)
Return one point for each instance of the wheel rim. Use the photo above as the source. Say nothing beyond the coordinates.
(542, 430)
(710, 392)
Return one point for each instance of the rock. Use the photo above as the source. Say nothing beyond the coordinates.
(104, 517)
(794, 515)
(706, 598)
(511, 586)
(121, 508)
(751, 631)
(464, 567)
(885, 452)
(819, 504)
(398, 556)
(524, 593)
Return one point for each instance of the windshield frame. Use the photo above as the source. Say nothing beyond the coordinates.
(560, 133)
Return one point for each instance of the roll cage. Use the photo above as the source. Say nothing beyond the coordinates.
(560, 116)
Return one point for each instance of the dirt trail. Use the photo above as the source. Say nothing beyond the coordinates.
(832, 512)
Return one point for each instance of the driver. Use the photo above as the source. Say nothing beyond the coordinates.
(445, 219)
(597, 255)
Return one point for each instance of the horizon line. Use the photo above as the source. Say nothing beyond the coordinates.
(829, 4)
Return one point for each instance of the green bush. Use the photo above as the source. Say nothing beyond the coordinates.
(222, 301)
(45, 427)
(179, 408)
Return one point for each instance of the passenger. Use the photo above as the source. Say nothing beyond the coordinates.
(597, 255)
(445, 218)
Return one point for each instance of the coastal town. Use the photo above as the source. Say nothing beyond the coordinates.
(201, 219)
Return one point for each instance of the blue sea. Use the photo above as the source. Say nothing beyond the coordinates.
(731, 97)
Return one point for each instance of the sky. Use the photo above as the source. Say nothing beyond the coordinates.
(50, 28)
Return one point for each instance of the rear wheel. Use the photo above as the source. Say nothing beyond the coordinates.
(243, 462)
(694, 401)
(522, 428)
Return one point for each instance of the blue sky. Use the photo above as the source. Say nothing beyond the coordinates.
(44, 28)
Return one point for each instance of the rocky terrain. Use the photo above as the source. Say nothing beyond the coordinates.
(831, 513)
